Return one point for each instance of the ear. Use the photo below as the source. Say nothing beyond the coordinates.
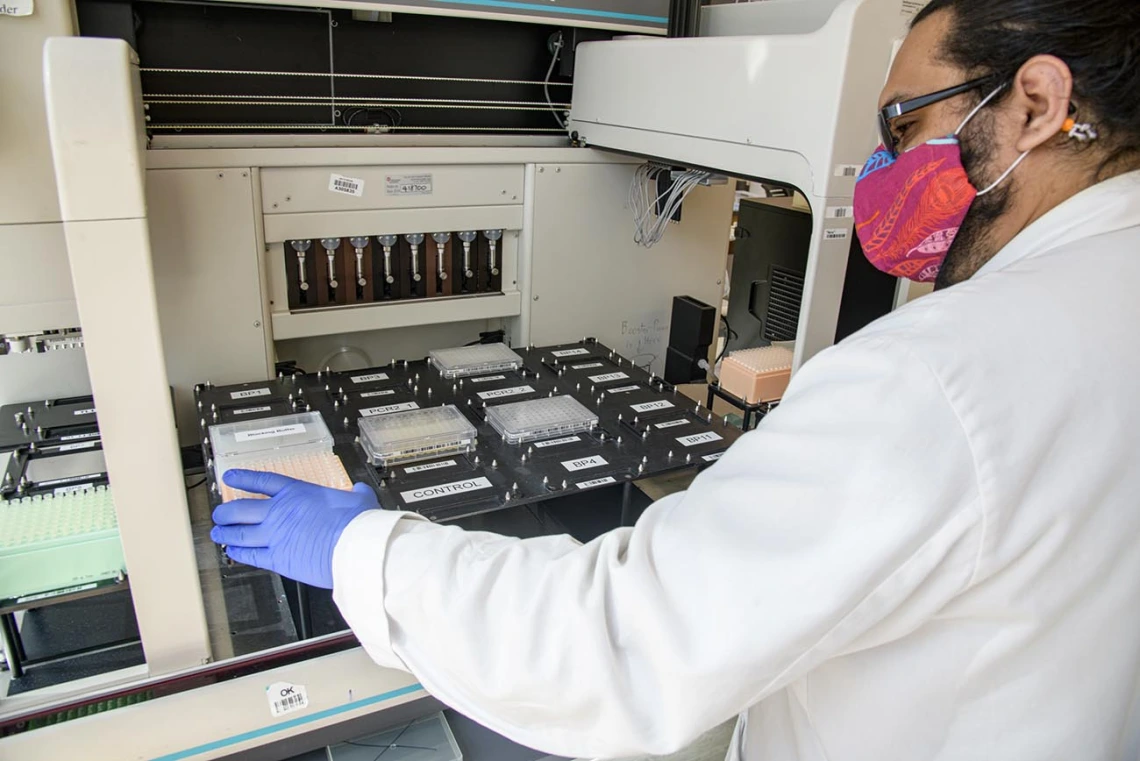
(1041, 91)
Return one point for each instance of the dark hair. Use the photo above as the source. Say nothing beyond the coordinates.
(1099, 40)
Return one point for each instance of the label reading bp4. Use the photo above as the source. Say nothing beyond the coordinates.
(445, 490)
(408, 184)
(608, 377)
(269, 433)
(651, 406)
(286, 698)
(584, 463)
(370, 378)
(249, 394)
(707, 437)
(501, 392)
(570, 353)
(388, 409)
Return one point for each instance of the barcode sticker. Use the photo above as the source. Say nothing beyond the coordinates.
(847, 170)
(840, 212)
(486, 378)
(557, 442)
(622, 390)
(73, 447)
(408, 184)
(68, 489)
(713, 457)
(286, 698)
(75, 436)
(587, 366)
(673, 423)
(835, 233)
(88, 411)
(251, 410)
(570, 352)
(383, 392)
(349, 186)
(596, 482)
(431, 466)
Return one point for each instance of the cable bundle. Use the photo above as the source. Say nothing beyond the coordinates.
(649, 224)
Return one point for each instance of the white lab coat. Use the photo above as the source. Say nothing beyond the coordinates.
(929, 551)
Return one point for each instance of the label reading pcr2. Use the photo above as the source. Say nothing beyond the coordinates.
(597, 482)
(499, 393)
(269, 433)
(252, 410)
(286, 698)
(430, 466)
(445, 490)
(699, 438)
(585, 463)
(251, 393)
(388, 409)
(349, 186)
(608, 377)
(570, 353)
(370, 378)
(408, 184)
(556, 442)
(651, 406)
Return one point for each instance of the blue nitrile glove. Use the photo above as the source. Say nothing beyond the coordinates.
(292, 533)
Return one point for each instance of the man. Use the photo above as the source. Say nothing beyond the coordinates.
(930, 551)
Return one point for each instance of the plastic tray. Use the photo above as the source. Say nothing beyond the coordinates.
(464, 361)
(521, 422)
(416, 435)
(426, 739)
(248, 441)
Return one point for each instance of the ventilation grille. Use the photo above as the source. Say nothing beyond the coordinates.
(782, 317)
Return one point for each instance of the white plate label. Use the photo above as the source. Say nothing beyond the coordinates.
(499, 393)
(66, 489)
(75, 436)
(707, 437)
(585, 463)
(597, 482)
(849, 170)
(430, 466)
(672, 423)
(608, 377)
(285, 697)
(88, 411)
(445, 490)
(557, 442)
(408, 184)
(72, 479)
(587, 366)
(622, 390)
(56, 593)
(16, 8)
(570, 353)
(713, 457)
(651, 406)
(243, 394)
(835, 233)
(840, 212)
(487, 378)
(269, 433)
(371, 377)
(349, 186)
(251, 410)
(73, 447)
(388, 409)
(385, 392)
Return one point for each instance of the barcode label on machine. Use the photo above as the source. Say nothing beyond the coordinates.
(847, 170)
(349, 186)
(840, 212)
(836, 233)
(286, 698)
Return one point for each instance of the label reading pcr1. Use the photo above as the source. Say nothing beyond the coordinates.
(286, 698)
(430, 466)
(596, 482)
(445, 490)
(557, 442)
(388, 409)
(252, 410)
(349, 186)
(370, 378)
(608, 377)
(269, 433)
(408, 184)
(249, 394)
(499, 393)
(651, 406)
(699, 438)
(570, 353)
(585, 463)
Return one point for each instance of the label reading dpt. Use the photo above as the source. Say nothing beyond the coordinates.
(370, 378)
(587, 366)
(699, 438)
(585, 463)
(88, 411)
(430, 466)
(622, 389)
(445, 490)
(557, 442)
(499, 393)
(252, 410)
(408, 184)
(672, 423)
(608, 378)
(651, 406)
(349, 186)
(249, 394)
(713, 457)
(388, 409)
(596, 482)
(486, 378)
(285, 697)
(570, 353)
(370, 394)
(270, 433)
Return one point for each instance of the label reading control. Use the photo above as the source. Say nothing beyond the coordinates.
(707, 437)
(445, 490)
(370, 378)
(584, 463)
(597, 482)
(252, 410)
(270, 433)
(652, 406)
(248, 394)
(608, 378)
(570, 353)
(557, 442)
(388, 409)
(430, 466)
(499, 393)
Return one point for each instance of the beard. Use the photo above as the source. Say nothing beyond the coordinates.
(971, 247)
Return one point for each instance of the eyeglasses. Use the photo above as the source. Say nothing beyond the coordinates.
(890, 142)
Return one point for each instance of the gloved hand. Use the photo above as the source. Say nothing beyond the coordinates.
(293, 532)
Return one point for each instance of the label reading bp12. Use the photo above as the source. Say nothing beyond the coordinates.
(408, 184)
(651, 406)
(286, 698)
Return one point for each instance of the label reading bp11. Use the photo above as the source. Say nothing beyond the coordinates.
(286, 698)
(374, 411)
(707, 437)
(585, 463)
(570, 353)
(370, 378)
(445, 490)
(499, 393)
(249, 394)
(269, 433)
(651, 406)
(408, 184)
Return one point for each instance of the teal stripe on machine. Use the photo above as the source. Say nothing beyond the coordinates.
(555, 9)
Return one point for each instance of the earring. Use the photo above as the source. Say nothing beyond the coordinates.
(1083, 131)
